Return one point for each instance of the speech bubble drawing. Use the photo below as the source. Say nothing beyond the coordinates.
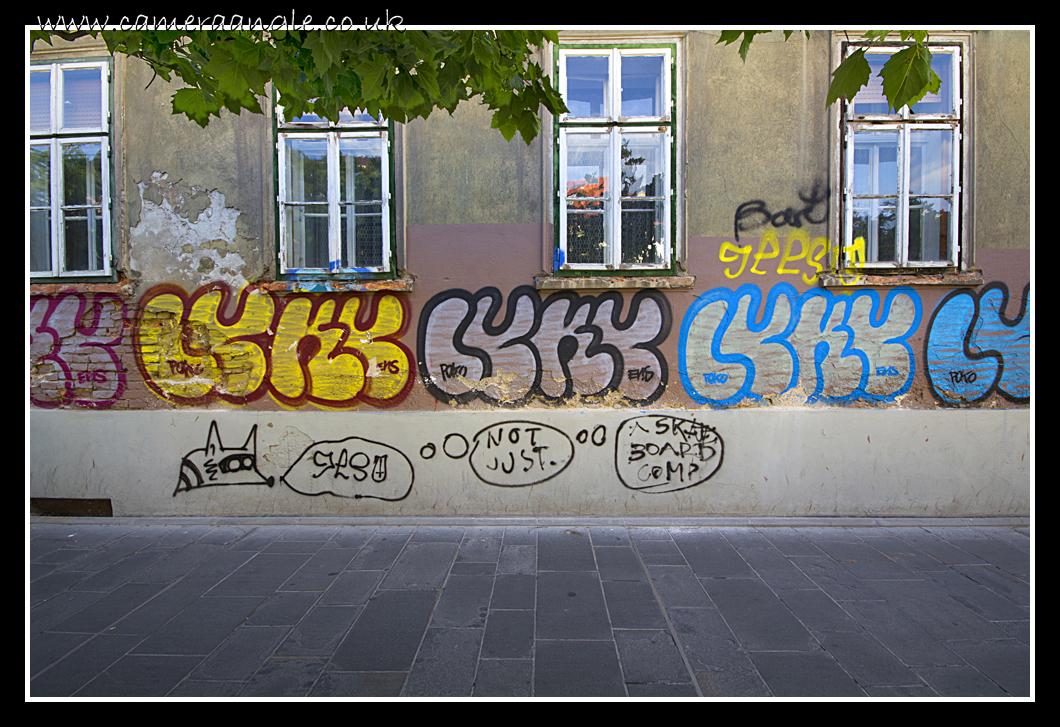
(352, 467)
(660, 453)
(517, 453)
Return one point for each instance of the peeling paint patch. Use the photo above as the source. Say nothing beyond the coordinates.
(289, 448)
(190, 231)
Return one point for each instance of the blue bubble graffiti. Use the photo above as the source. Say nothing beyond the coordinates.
(973, 349)
(838, 347)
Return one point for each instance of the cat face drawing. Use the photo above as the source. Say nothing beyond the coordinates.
(216, 464)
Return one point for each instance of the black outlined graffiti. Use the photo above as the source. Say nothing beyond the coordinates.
(216, 464)
(558, 348)
(973, 349)
(353, 467)
(517, 454)
(660, 453)
(754, 214)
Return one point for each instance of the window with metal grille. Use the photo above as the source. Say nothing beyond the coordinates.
(334, 194)
(69, 170)
(615, 185)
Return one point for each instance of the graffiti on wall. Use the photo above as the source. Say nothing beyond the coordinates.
(74, 342)
(808, 260)
(974, 349)
(557, 348)
(334, 350)
(837, 348)
(661, 453)
(652, 454)
(353, 467)
(755, 213)
(216, 464)
(516, 454)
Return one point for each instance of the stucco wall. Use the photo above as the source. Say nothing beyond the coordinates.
(820, 394)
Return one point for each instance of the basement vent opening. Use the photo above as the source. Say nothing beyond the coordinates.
(71, 507)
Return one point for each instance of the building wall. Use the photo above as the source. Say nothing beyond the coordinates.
(868, 404)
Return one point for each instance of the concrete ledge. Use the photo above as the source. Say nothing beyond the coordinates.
(548, 522)
(968, 279)
(738, 467)
(401, 284)
(601, 282)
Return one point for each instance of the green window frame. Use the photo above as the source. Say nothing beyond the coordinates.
(70, 170)
(335, 191)
(615, 171)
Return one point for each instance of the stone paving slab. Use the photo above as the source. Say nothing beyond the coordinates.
(662, 608)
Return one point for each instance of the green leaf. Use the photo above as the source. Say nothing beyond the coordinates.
(374, 76)
(731, 36)
(192, 102)
(907, 76)
(876, 35)
(847, 80)
(728, 37)
(327, 70)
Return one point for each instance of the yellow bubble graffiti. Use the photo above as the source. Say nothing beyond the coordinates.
(199, 356)
(307, 348)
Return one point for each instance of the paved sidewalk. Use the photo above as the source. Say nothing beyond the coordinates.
(226, 607)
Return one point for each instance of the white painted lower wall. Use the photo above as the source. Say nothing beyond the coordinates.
(538, 462)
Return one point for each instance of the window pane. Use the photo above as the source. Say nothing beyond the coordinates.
(82, 98)
(588, 191)
(360, 169)
(586, 233)
(83, 239)
(308, 118)
(345, 117)
(929, 228)
(587, 85)
(644, 165)
(941, 102)
(642, 86)
(930, 161)
(40, 98)
(874, 221)
(643, 231)
(307, 236)
(363, 226)
(82, 175)
(40, 241)
(40, 175)
(870, 99)
(587, 165)
(357, 116)
(876, 162)
(307, 170)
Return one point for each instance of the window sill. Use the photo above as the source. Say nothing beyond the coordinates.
(548, 282)
(966, 278)
(401, 284)
(124, 287)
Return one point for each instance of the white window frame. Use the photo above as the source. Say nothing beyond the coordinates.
(615, 126)
(904, 123)
(333, 132)
(55, 138)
